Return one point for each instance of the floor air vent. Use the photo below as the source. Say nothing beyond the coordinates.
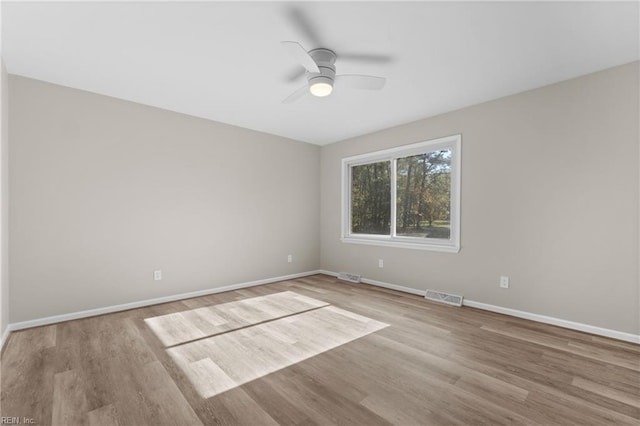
(349, 277)
(449, 299)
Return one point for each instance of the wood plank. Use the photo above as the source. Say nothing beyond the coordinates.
(69, 400)
(607, 391)
(104, 416)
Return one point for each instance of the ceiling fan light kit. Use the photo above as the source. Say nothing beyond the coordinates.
(321, 87)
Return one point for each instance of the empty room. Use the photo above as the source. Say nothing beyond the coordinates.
(320, 213)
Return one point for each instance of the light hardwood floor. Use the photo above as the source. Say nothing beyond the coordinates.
(432, 365)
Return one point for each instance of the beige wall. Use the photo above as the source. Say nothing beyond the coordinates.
(4, 195)
(549, 198)
(104, 192)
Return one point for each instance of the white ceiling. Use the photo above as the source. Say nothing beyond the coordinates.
(223, 60)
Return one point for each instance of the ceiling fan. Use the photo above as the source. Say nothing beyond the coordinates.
(319, 65)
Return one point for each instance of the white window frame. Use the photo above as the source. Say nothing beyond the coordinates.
(451, 245)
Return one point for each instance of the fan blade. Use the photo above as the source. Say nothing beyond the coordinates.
(299, 93)
(371, 58)
(305, 25)
(302, 56)
(355, 81)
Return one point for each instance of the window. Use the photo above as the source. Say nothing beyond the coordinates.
(407, 196)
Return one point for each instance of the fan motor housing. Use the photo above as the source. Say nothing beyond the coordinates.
(325, 59)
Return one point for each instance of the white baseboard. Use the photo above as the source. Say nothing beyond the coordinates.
(614, 334)
(381, 284)
(325, 272)
(619, 335)
(126, 306)
(394, 287)
(4, 336)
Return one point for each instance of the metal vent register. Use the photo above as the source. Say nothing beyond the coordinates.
(349, 277)
(449, 299)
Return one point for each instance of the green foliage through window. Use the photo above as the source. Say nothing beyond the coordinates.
(423, 191)
(371, 199)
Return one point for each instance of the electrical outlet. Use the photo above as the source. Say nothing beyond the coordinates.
(380, 263)
(157, 275)
(504, 282)
(290, 258)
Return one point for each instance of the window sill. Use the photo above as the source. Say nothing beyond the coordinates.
(388, 242)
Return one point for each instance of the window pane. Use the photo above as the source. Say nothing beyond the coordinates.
(371, 198)
(424, 195)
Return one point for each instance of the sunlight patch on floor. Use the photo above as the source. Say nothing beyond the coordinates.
(220, 363)
(224, 346)
(181, 327)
